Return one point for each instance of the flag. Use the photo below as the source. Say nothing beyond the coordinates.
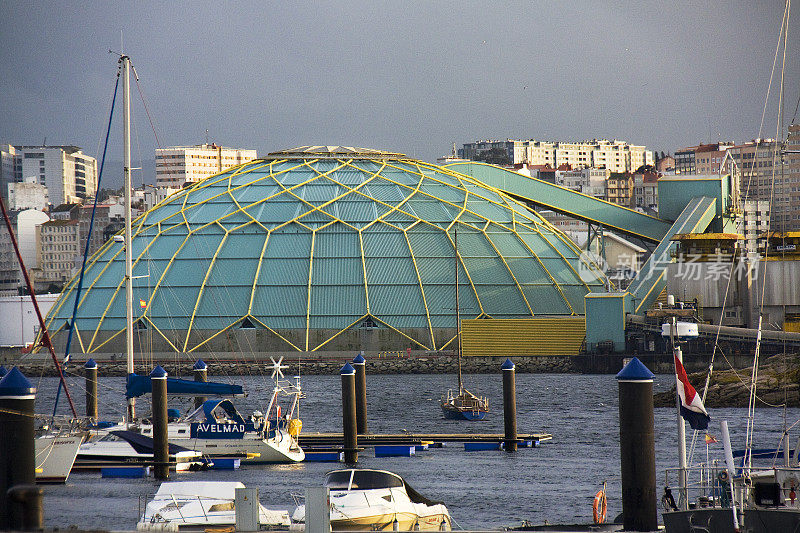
(142, 304)
(692, 409)
(710, 439)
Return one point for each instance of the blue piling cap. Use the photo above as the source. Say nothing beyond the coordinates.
(359, 360)
(508, 365)
(3, 371)
(200, 365)
(347, 370)
(635, 371)
(158, 373)
(15, 385)
(90, 364)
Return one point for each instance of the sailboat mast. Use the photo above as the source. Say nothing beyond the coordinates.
(126, 119)
(458, 309)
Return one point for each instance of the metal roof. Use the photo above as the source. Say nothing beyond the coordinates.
(309, 247)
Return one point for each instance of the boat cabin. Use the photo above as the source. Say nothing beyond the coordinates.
(362, 479)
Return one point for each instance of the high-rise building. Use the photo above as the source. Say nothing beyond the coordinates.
(177, 165)
(68, 173)
(616, 156)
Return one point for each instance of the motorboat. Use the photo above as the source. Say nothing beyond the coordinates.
(217, 429)
(128, 448)
(197, 505)
(55, 456)
(364, 499)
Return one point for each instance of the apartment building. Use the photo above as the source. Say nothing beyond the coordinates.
(24, 224)
(762, 177)
(177, 165)
(616, 156)
(619, 188)
(68, 173)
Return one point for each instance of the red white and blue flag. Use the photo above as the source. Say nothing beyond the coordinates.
(692, 409)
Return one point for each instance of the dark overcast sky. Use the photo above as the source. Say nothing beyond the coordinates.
(408, 78)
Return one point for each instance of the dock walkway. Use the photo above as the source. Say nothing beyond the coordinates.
(410, 439)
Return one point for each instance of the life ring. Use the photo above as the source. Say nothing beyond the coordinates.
(600, 506)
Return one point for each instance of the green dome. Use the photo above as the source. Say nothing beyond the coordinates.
(313, 246)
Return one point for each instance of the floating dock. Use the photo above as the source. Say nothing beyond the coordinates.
(317, 440)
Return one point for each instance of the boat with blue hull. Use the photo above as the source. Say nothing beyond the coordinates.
(462, 405)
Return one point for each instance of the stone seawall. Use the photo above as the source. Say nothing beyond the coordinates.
(441, 364)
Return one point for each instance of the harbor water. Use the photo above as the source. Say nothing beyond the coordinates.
(483, 490)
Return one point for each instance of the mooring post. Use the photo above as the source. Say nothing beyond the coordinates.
(26, 500)
(349, 428)
(200, 371)
(17, 455)
(510, 405)
(158, 380)
(91, 390)
(637, 447)
(360, 365)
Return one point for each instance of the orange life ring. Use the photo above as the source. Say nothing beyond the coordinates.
(599, 507)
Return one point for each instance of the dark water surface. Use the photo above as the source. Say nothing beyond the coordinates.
(483, 490)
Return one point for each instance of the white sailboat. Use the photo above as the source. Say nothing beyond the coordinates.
(215, 428)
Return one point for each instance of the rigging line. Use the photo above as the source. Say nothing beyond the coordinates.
(769, 90)
(88, 243)
(754, 375)
(144, 103)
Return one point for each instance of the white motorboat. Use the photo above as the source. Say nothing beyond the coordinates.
(372, 500)
(200, 504)
(217, 429)
(127, 448)
(55, 455)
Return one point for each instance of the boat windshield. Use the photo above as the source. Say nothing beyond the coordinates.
(362, 480)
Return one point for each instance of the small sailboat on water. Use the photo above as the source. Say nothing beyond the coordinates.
(461, 404)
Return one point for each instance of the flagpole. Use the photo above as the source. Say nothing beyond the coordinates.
(683, 499)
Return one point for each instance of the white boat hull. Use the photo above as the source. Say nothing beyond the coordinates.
(258, 450)
(55, 455)
(197, 505)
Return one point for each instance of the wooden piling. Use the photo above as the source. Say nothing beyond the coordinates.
(158, 380)
(360, 364)
(17, 455)
(91, 390)
(637, 447)
(510, 405)
(349, 427)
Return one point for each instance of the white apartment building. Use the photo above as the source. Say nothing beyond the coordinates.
(177, 165)
(68, 173)
(28, 195)
(24, 224)
(615, 156)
